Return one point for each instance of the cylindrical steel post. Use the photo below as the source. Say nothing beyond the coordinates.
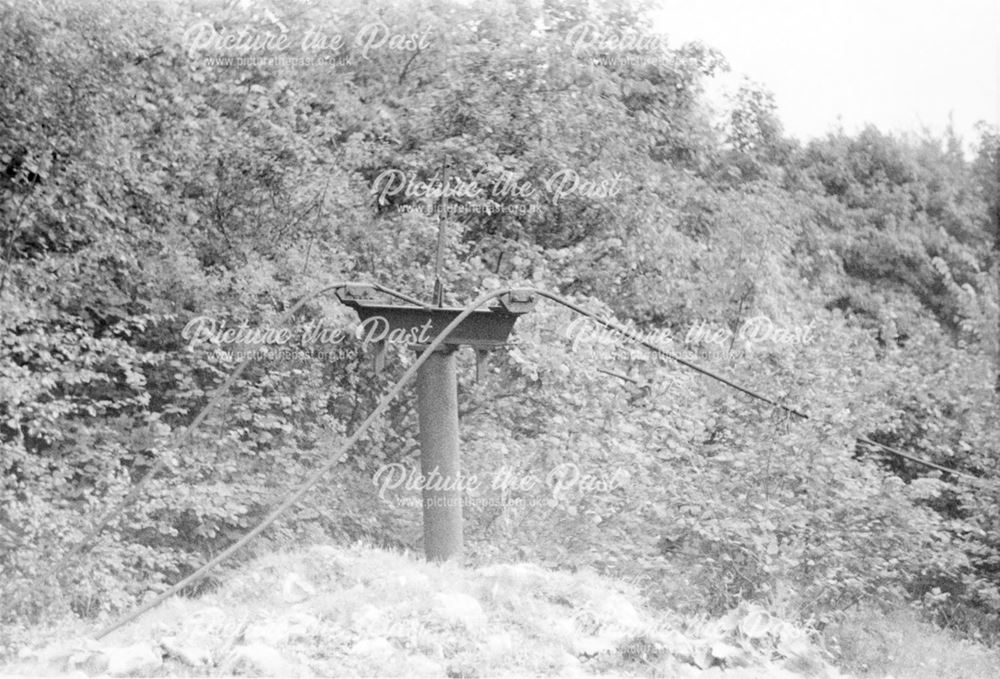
(437, 410)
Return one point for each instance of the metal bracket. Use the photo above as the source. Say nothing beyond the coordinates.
(518, 301)
(414, 326)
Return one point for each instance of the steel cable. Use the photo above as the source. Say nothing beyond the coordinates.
(292, 498)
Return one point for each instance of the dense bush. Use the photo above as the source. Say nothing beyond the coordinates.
(148, 182)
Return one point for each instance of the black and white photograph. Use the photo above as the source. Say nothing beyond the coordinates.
(474, 339)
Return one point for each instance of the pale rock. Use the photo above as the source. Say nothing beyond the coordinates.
(563, 627)
(792, 642)
(620, 610)
(367, 617)
(729, 654)
(725, 625)
(458, 607)
(570, 666)
(138, 659)
(757, 623)
(370, 648)
(295, 589)
(701, 655)
(675, 643)
(499, 644)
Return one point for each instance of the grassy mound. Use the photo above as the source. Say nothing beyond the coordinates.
(338, 612)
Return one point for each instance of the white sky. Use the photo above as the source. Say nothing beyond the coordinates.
(902, 65)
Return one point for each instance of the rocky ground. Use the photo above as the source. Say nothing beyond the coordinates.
(339, 612)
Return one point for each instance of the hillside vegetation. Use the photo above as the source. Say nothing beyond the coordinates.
(165, 163)
(334, 612)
